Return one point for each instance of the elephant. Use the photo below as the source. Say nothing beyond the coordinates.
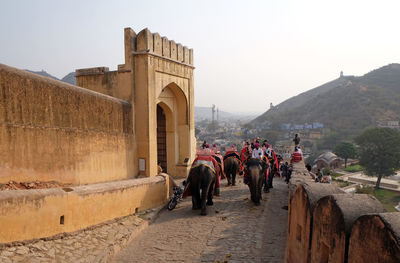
(231, 166)
(256, 174)
(202, 177)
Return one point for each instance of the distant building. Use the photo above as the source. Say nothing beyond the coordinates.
(390, 124)
(318, 125)
(308, 126)
(315, 135)
(328, 159)
(298, 126)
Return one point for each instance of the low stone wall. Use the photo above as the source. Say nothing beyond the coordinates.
(375, 238)
(53, 131)
(327, 225)
(333, 219)
(304, 199)
(32, 214)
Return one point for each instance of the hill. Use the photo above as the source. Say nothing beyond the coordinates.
(345, 104)
(43, 73)
(69, 78)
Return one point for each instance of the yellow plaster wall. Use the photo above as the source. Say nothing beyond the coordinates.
(53, 131)
(113, 83)
(82, 207)
(153, 64)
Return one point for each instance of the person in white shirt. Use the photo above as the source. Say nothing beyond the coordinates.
(268, 151)
(257, 152)
(299, 150)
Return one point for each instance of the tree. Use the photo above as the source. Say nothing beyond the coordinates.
(379, 152)
(345, 150)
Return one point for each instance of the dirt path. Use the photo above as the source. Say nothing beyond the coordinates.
(234, 231)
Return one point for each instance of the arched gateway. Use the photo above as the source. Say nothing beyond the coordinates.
(157, 79)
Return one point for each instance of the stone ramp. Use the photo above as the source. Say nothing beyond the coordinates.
(234, 231)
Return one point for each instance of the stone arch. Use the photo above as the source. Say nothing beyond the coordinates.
(181, 101)
(167, 132)
(174, 103)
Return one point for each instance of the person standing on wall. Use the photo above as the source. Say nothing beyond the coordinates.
(296, 139)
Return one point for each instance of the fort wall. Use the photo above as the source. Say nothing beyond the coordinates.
(62, 210)
(94, 137)
(53, 131)
(327, 225)
(157, 71)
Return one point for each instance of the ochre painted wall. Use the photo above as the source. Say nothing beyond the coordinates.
(157, 71)
(31, 214)
(53, 131)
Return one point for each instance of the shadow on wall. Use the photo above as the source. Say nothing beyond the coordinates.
(32, 214)
(53, 131)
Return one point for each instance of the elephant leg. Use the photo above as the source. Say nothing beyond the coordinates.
(204, 192)
(228, 177)
(265, 182)
(210, 194)
(196, 201)
(234, 178)
(270, 180)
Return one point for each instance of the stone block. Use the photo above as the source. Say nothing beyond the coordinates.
(91, 71)
(301, 208)
(173, 50)
(157, 44)
(375, 238)
(333, 219)
(186, 55)
(129, 44)
(191, 59)
(179, 51)
(144, 41)
(166, 47)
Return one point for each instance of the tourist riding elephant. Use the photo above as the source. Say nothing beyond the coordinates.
(256, 174)
(231, 166)
(202, 182)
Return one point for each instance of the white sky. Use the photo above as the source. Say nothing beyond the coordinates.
(247, 53)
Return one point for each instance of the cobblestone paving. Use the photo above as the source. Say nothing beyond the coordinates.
(234, 231)
(93, 245)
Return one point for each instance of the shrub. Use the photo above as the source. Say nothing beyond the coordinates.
(354, 168)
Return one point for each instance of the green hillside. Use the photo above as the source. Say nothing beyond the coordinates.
(345, 104)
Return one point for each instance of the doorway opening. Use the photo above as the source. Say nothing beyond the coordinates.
(161, 139)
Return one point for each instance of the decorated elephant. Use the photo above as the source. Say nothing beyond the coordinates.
(231, 166)
(202, 180)
(255, 174)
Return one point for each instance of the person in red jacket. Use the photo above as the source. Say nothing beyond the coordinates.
(296, 156)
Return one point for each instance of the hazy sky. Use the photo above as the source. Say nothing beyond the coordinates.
(247, 53)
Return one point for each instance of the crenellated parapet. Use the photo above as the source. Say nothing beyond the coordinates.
(162, 54)
(328, 225)
(146, 42)
(157, 72)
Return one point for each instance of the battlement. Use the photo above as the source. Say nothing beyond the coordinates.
(146, 42)
(91, 71)
(327, 224)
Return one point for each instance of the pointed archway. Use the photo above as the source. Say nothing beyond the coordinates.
(161, 139)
